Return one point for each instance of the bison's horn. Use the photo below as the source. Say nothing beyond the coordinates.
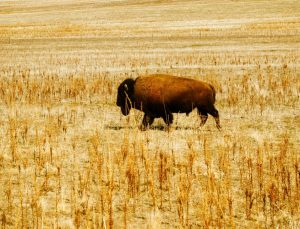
(126, 87)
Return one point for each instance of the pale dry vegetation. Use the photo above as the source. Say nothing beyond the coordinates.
(69, 159)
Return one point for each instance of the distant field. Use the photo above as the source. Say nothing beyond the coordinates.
(69, 159)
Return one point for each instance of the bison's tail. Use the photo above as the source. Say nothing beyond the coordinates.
(214, 92)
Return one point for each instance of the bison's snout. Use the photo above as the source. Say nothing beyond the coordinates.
(125, 110)
(125, 95)
(124, 107)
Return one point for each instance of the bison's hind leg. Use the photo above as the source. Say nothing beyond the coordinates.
(214, 112)
(147, 121)
(203, 115)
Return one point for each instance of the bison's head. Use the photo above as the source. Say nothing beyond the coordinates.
(125, 95)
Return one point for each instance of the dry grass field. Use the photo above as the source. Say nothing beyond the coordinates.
(69, 159)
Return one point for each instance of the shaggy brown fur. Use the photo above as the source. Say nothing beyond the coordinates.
(161, 95)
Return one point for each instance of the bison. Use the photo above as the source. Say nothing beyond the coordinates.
(158, 96)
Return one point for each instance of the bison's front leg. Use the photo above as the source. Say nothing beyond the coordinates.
(168, 118)
(147, 121)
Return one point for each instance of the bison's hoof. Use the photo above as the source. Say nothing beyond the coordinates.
(143, 128)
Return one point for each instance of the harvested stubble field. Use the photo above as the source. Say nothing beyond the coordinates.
(69, 159)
